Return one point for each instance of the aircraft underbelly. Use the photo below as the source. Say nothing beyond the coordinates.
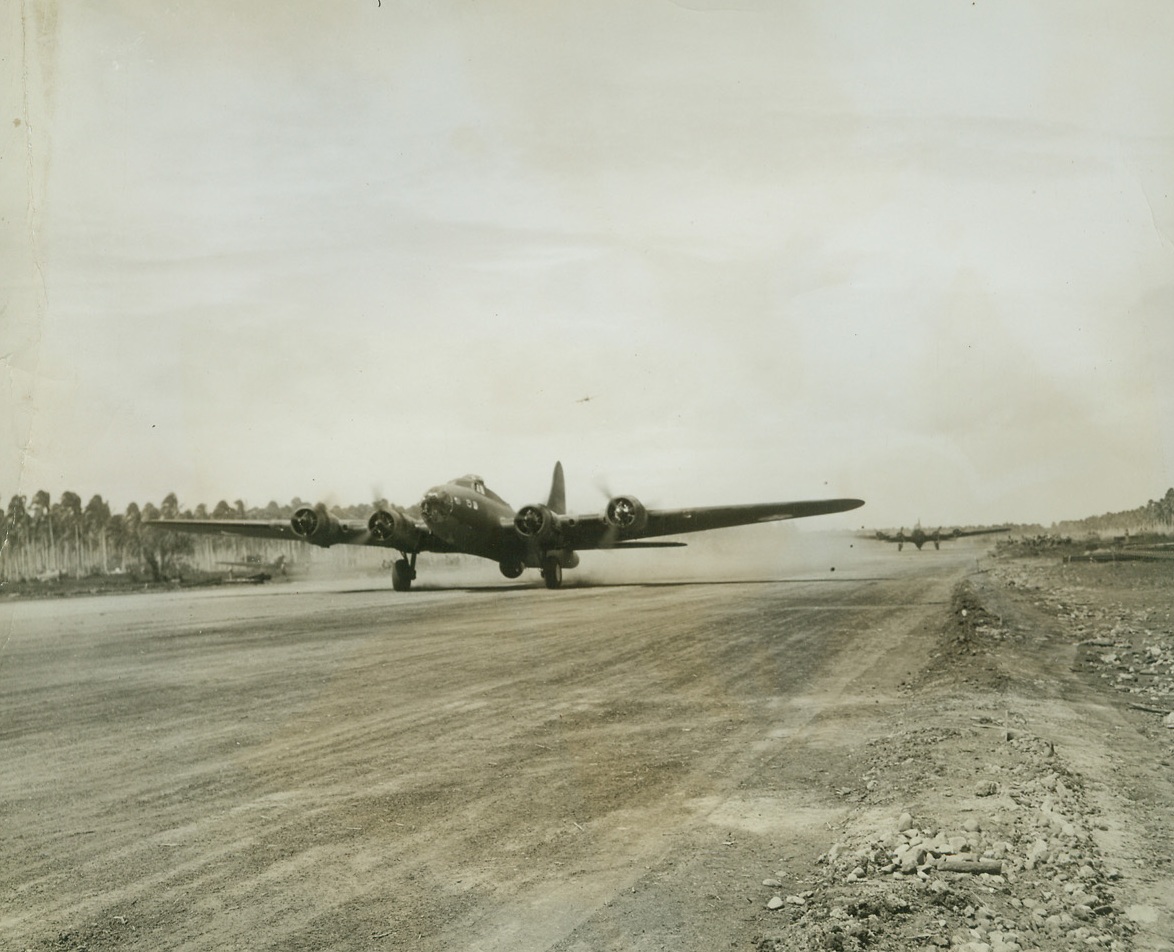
(473, 539)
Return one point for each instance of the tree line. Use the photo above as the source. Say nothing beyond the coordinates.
(1155, 515)
(41, 537)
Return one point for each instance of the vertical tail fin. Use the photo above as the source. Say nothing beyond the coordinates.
(558, 491)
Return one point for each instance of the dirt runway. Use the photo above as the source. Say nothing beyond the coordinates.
(505, 768)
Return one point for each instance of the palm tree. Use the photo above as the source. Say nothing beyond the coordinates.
(42, 526)
(16, 538)
(161, 549)
(133, 544)
(70, 510)
(118, 538)
(97, 524)
(5, 544)
(148, 546)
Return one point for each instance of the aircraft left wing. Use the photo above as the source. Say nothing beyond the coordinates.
(956, 533)
(625, 520)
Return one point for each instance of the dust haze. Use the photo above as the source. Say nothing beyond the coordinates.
(745, 554)
(756, 553)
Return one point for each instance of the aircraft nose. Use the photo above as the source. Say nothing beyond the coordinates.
(437, 505)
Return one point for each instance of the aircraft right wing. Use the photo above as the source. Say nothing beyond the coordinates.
(625, 521)
(957, 533)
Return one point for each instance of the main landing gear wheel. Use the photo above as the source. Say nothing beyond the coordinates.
(402, 574)
(511, 569)
(552, 572)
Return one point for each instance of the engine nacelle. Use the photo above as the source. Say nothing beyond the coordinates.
(625, 513)
(536, 522)
(316, 526)
(392, 528)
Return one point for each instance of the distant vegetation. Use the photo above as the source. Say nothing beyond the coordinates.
(1155, 516)
(1147, 525)
(42, 539)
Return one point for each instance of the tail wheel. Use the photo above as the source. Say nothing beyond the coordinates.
(552, 573)
(402, 575)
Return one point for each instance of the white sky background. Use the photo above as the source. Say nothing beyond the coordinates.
(915, 252)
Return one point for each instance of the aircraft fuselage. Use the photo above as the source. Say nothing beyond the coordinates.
(469, 518)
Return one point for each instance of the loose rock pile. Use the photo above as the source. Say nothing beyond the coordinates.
(1134, 659)
(973, 834)
(1131, 648)
(1019, 871)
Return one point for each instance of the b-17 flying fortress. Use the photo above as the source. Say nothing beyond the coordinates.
(920, 537)
(465, 516)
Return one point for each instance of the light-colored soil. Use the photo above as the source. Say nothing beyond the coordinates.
(611, 767)
(1011, 749)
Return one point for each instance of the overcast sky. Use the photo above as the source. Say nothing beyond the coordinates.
(702, 252)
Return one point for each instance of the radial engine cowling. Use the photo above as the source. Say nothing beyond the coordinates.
(536, 522)
(626, 513)
(391, 527)
(316, 526)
